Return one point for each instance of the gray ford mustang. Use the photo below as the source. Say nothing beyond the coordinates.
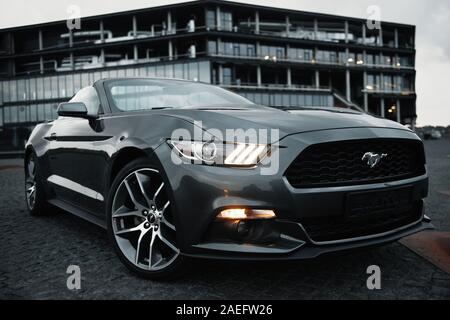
(176, 169)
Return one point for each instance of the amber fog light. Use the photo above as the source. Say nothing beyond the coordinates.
(245, 214)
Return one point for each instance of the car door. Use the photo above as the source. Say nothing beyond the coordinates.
(79, 156)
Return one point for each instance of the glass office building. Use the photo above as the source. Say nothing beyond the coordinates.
(272, 56)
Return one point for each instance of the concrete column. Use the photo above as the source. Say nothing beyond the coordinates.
(288, 77)
(366, 96)
(72, 63)
(347, 85)
(346, 31)
(317, 78)
(256, 22)
(382, 108)
(366, 102)
(169, 22)
(258, 76)
(381, 88)
(41, 41)
(398, 111)
(134, 27)
(41, 46)
(70, 38)
(41, 64)
(316, 29)
(219, 50)
(381, 35)
(258, 49)
(396, 37)
(170, 44)
(220, 74)
(102, 29)
(363, 32)
(102, 56)
(288, 23)
(218, 22)
(135, 53)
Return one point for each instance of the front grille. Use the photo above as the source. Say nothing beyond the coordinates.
(341, 227)
(340, 163)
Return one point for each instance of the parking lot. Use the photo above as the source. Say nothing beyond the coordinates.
(35, 254)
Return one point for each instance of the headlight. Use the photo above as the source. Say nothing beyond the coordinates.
(228, 154)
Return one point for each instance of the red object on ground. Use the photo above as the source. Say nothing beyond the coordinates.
(431, 245)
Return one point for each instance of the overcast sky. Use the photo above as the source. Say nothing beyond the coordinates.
(432, 19)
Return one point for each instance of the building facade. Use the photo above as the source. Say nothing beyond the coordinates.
(272, 56)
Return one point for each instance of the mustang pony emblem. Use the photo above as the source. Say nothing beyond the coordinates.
(373, 158)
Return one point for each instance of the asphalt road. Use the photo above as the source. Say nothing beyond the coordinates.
(35, 254)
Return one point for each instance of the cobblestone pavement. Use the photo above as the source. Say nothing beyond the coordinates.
(35, 253)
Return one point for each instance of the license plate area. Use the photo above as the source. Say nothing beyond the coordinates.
(376, 203)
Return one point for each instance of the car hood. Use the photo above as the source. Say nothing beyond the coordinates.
(287, 121)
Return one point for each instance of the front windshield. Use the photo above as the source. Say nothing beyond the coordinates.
(143, 94)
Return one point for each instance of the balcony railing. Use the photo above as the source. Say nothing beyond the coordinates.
(274, 87)
(393, 90)
(307, 34)
(310, 61)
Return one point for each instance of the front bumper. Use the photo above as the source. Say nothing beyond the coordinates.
(199, 192)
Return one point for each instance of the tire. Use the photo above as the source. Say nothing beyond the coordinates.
(34, 189)
(140, 222)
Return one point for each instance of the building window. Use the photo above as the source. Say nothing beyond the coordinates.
(47, 88)
(69, 86)
(226, 21)
(210, 19)
(5, 91)
(212, 47)
(236, 49)
(22, 93)
(54, 84)
(13, 91)
(33, 113)
(251, 50)
(227, 76)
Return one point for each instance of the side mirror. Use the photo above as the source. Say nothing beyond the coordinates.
(73, 109)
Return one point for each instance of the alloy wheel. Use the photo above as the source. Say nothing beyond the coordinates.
(142, 221)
